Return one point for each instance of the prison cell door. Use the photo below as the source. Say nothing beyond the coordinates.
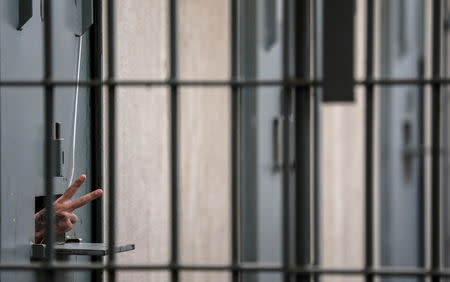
(22, 123)
(401, 136)
(261, 136)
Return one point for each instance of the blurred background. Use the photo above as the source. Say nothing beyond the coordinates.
(267, 174)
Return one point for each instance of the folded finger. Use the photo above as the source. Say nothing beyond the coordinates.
(73, 218)
(67, 226)
(63, 226)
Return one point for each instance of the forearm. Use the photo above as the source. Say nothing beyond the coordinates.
(39, 226)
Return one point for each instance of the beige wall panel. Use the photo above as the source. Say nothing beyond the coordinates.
(204, 136)
(143, 142)
(205, 276)
(343, 184)
(205, 177)
(204, 39)
(142, 39)
(343, 170)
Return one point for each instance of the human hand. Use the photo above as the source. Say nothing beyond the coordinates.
(64, 207)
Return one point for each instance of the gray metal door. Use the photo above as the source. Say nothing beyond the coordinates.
(261, 121)
(401, 136)
(22, 123)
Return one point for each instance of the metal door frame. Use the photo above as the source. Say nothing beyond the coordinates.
(97, 117)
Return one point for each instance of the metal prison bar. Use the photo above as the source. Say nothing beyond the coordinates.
(111, 141)
(292, 82)
(236, 267)
(48, 158)
(369, 145)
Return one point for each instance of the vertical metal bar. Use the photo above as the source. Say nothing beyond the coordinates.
(97, 220)
(317, 179)
(285, 112)
(234, 142)
(317, 149)
(435, 143)
(111, 141)
(369, 125)
(445, 135)
(302, 137)
(174, 138)
(48, 156)
(421, 203)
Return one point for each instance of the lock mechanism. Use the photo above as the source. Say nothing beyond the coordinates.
(278, 137)
(58, 152)
(411, 151)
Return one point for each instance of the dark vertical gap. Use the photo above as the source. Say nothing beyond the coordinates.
(435, 142)
(301, 32)
(369, 143)
(97, 133)
(48, 156)
(445, 139)
(421, 174)
(317, 180)
(317, 151)
(285, 109)
(445, 135)
(174, 139)
(234, 143)
(111, 142)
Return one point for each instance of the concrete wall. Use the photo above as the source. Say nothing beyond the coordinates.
(205, 137)
(143, 141)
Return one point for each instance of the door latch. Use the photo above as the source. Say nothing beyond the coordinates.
(411, 151)
(58, 151)
(278, 144)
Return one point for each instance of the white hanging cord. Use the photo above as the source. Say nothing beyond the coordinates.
(75, 111)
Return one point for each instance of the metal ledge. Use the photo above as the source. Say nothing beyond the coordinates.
(79, 249)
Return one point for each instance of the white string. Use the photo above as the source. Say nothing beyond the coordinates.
(75, 111)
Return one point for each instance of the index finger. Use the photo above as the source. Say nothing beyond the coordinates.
(73, 188)
(86, 199)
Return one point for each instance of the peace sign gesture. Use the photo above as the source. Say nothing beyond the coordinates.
(64, 207)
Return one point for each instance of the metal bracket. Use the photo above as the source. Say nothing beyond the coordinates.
(78, 249)
(25, 12)
(278, 135)
(84, 16)
(270, 35)
(338, 50)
